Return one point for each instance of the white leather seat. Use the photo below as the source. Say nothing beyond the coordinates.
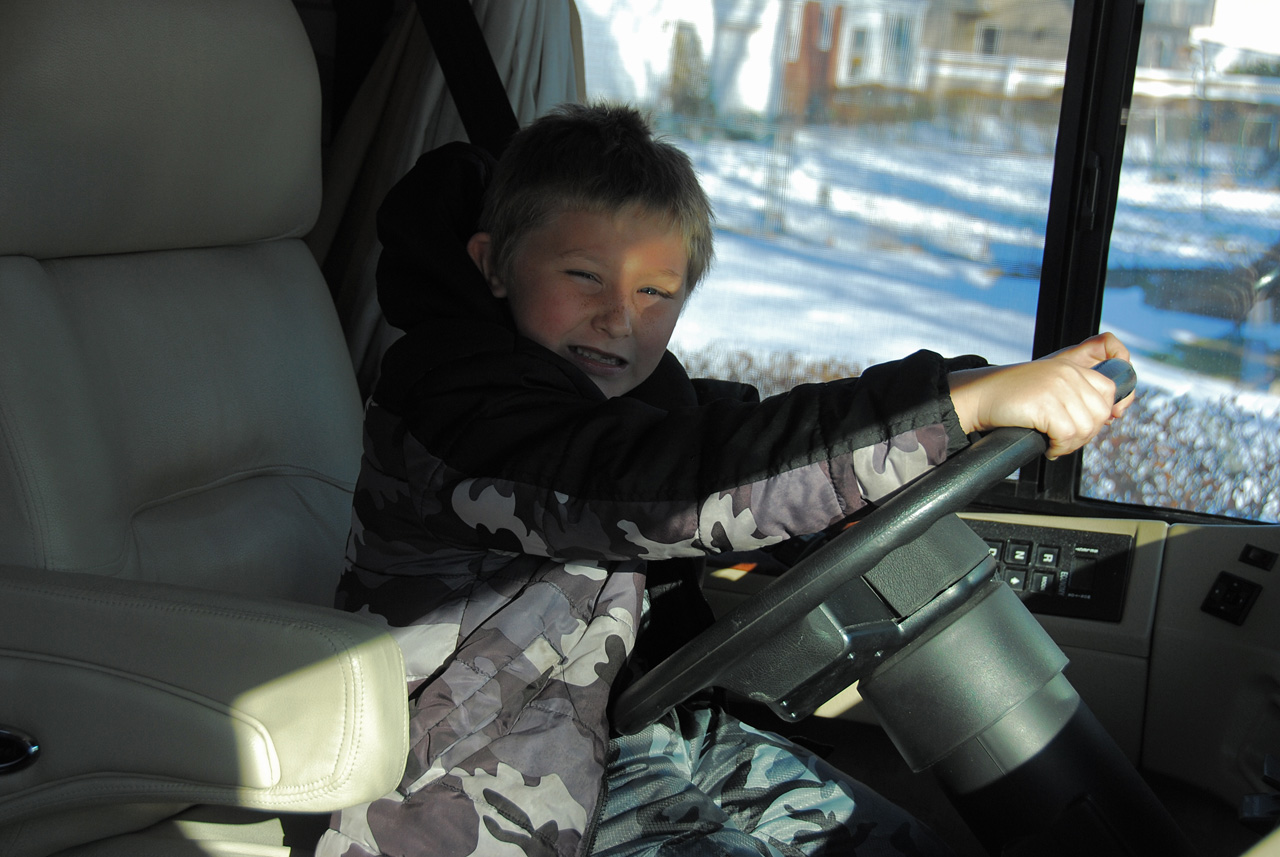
(1268, 847)
(179, 435)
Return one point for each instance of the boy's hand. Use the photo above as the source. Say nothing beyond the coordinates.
(1059, 396)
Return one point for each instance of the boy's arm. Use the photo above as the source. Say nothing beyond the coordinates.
(536, 467)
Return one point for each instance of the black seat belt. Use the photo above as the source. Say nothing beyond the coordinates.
(470, 73)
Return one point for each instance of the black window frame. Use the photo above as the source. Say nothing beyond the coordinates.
(1097, 88)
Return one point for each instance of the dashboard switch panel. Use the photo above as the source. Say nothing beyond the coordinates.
(1083, 575)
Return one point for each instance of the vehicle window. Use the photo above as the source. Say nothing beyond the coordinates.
(880, 172)
(881, 175)
(1193, 273)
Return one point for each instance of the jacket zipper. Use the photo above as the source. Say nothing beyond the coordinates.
(589, 835)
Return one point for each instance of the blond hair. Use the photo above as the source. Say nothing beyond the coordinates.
(598, 158)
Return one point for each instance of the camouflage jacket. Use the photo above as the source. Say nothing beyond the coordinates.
(506, 513)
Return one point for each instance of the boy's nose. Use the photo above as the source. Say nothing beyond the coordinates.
(613, 316)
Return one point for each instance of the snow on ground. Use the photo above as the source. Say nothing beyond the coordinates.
(880, 253)
(883, 253)
(860, 245)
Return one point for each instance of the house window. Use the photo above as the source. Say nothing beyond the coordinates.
(857, 52)
(989, 41)
(900, 45)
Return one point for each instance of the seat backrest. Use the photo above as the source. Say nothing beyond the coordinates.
(176, 399)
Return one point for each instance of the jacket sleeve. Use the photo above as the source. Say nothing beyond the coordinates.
(539, 465)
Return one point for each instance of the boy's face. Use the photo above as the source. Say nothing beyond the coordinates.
(603, 291)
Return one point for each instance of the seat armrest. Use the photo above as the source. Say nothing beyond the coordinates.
(142, 693)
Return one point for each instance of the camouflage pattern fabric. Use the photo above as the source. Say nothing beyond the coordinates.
(699, 783)
(511, 651)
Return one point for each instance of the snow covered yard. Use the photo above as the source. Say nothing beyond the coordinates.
(842, 248)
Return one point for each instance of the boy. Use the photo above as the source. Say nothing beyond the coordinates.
(541, 477)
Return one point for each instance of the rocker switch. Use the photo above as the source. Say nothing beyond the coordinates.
(1081, 579)
(1258, 557)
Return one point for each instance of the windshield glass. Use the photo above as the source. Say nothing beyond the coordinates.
(881, 176)
(880, 172)
(1192, 279)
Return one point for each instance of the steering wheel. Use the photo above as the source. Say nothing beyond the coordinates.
(903, 517)
(965, 680)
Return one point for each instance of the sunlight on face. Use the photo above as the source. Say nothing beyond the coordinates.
(603, 291)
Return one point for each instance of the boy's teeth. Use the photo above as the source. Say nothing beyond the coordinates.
(598, 356)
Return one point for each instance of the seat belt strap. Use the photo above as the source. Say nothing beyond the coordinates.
(470, 73)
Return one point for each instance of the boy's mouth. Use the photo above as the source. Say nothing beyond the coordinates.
(599, 358)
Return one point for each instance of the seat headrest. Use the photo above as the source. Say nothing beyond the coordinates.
(136, 125)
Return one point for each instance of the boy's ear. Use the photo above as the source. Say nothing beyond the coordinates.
(480, 249)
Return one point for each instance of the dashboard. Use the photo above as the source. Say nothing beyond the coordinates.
(1172, 631)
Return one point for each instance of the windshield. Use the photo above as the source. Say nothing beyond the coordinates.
(1192, 272)
(881, 177)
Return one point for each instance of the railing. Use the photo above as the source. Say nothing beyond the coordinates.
(1023, 77)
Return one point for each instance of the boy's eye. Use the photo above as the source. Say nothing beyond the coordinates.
(652, 290)
(584, 275)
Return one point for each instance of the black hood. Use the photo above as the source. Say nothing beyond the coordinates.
(429, 287)
(424, 273)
